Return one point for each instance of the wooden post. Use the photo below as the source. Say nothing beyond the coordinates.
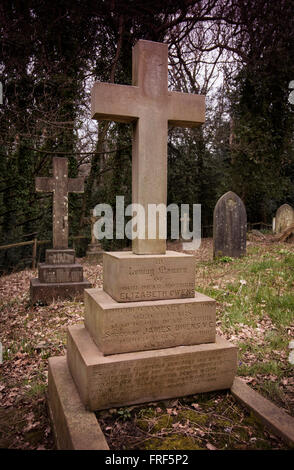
(34, 254)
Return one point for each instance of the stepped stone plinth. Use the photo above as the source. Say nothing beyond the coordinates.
(138, 377)
(58, 281)
(129, 277)
(138, 326)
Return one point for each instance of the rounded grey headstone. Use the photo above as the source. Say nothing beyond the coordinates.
(229, 226)
(284, 218)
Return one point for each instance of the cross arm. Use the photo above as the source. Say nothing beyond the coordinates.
(111, 102)
(185, 110)
(44, 184)
(76, 185)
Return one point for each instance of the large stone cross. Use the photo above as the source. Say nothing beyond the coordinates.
(60, 185)
(151, 107)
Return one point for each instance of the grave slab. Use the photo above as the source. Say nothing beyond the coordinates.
(47, 292)
(145, 376)
(139, 326)
(129, 277)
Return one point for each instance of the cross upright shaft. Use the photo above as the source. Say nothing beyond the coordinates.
(60, 185)
(150, 107)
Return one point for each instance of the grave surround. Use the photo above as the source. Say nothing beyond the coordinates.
(145, 346)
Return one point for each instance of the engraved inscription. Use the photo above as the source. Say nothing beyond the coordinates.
(149, 278)
(163, 280)
(153, 326)
(60, 258)
(59, 275)
(163, 376)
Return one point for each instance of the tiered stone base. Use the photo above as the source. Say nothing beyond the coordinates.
(60, 277)
(155, 324)
(130, 278)
(147, 337)
(138, 377)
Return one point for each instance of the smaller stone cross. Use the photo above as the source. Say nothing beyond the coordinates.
(60, 185)
(93, 220)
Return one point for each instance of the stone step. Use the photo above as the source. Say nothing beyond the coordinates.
(140, 377)
(66, 256)
(129, 277)
(60, 273)
(137, 326)
(48, 291)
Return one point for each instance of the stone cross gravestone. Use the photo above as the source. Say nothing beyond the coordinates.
(150, 107)
(94, 252)
(229, 226)
(60, 276)
(60, 185)
(284, 218)
(147, 335)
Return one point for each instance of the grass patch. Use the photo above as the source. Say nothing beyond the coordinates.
(255, 303)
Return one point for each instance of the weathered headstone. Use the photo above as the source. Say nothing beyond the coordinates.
(229, 226)
(60, 276)
(284, 218)
(94, 251)
(147, 335)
